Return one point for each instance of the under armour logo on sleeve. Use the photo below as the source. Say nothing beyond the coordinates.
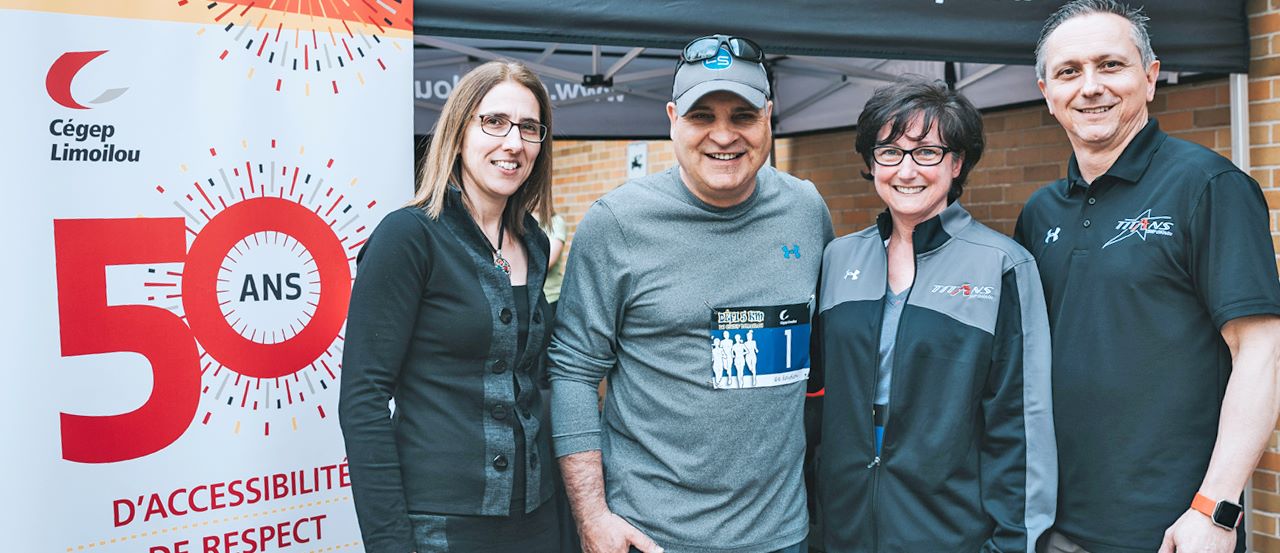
(795, 250)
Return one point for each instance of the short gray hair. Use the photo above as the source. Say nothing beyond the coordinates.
(1076, 8)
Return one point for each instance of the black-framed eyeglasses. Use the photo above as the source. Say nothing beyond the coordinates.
(708, 47)
(926, 156)
(499, 125)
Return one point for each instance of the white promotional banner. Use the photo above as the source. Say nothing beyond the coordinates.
(188, 185)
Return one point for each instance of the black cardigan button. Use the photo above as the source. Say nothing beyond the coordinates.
(499, 366)
(499, 411)
(500, 462)
(504, 315)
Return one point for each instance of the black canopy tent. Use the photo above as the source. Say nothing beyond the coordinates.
(608, 63)
(1188, 35)
(810, 93)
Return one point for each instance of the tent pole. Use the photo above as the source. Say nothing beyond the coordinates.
(1239, 92)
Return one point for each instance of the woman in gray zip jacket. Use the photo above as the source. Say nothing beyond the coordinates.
(933, 345)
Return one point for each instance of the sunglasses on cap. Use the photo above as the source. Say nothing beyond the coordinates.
(708, 47)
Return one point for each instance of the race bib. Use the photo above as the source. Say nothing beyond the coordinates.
(756, 347)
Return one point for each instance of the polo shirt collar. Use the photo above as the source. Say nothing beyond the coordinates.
(1131, 164)
(933, 233)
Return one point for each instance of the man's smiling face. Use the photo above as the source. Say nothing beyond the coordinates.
(720, 143)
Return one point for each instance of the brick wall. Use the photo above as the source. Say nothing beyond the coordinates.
(584, 171)
(1264, 139)
(1025, 149)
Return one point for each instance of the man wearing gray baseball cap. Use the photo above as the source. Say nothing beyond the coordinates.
(690, 290)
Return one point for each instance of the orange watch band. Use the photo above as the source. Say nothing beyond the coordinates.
(1204, 505)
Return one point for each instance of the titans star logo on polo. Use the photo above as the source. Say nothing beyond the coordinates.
(244, 324)
(1142, 226)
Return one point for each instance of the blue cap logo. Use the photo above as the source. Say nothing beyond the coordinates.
(722, 60)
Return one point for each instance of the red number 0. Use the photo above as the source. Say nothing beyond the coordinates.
(87, 325)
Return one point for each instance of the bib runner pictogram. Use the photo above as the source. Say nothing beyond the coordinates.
(757, 347)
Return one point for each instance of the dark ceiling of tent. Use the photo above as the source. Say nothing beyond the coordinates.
(1187, 35)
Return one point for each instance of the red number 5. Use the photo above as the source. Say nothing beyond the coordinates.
(87, 325)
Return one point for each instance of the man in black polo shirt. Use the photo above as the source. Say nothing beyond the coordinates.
(1163, 302)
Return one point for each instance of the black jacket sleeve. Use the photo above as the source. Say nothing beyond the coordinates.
(1019, 459)
(392, 271)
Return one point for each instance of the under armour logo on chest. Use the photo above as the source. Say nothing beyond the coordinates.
(1052, 235)
(793, 251)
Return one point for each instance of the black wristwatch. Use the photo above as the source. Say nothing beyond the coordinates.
(1223, 513)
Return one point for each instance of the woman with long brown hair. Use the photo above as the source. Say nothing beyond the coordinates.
(447, 319)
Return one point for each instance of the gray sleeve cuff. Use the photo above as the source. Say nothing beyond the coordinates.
(577, 443)
(575, 421)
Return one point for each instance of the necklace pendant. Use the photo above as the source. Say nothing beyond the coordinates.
(501, 262)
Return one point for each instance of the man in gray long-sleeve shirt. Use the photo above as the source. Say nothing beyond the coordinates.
(691, 290)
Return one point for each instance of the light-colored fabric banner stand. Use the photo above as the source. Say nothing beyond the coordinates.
(188, 185)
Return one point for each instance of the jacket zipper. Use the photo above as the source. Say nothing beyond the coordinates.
(874, 466)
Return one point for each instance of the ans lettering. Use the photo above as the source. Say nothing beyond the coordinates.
(271, 287)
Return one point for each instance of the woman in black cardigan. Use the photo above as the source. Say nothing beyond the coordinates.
(447, 319)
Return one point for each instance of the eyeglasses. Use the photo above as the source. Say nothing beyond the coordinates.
(708, 47)
(499, 125)
(926, 156)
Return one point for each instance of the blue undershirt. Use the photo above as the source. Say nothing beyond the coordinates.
(893, 304)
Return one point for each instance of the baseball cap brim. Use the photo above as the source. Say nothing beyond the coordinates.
(690, 97)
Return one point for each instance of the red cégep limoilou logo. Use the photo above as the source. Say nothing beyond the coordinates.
(83, 140)
(64, 69)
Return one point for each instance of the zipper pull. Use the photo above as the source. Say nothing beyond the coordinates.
(874, 463)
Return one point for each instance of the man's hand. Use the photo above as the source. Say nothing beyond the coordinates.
(601, 530)
(609, 533)
(1195, 533)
